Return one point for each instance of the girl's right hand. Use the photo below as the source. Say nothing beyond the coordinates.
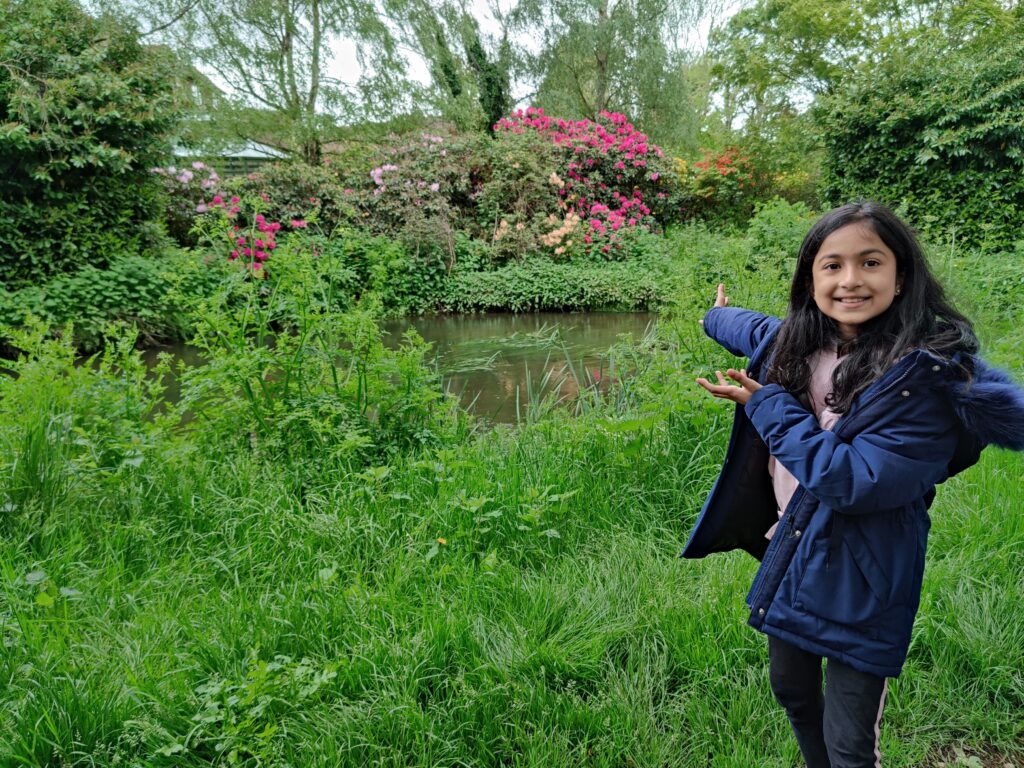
(721, 300)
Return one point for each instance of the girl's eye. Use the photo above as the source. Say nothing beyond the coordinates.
(871, 263)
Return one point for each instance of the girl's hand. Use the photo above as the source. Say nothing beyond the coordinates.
(721, 300)
(726, 391)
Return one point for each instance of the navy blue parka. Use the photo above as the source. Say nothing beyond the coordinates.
(842, 574)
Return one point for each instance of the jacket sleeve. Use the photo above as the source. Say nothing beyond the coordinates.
(740, 331)
(898, 458)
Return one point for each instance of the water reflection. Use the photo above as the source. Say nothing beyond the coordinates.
(497, 363)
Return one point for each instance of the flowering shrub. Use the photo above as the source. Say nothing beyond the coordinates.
(297, 191)
(418, 190)
(608, 174)
(724, 186)
(186, 191)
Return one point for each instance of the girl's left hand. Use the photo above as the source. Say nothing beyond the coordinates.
(726, 391)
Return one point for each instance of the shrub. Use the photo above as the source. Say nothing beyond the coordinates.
(540, 284)
(133, 289)
(609, 175)
(84, 114)
(297, 191)
(937, 131)
(187, 192)
(723, 187)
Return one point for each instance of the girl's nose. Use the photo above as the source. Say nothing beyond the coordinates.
(850, 278)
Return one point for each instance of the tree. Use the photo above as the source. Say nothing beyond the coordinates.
(85, 112)
(777, 56)
(616, 55)
(939, 131)
(274, 56)
(470, 72)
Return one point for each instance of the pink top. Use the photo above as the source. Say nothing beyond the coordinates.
(823, 364)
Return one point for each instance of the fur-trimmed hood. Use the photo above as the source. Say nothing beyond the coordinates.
(990, 407)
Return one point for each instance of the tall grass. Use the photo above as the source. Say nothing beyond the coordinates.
(508, 597)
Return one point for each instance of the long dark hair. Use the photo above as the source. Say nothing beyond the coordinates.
(920, 316)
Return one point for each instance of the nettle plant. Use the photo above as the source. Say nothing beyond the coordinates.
(609, 179)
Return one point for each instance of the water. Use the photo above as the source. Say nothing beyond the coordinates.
(494, 361)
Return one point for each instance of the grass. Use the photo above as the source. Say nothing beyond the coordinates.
(511, 598)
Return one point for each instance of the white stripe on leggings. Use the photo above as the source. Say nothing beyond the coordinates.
(878, 724)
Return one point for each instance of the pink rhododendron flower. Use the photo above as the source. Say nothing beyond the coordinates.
(298, 224)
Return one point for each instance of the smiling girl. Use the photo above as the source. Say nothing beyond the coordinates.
(871, 397)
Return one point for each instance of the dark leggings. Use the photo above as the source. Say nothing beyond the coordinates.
(835, 729)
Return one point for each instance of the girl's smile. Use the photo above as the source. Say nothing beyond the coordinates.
(854, 277)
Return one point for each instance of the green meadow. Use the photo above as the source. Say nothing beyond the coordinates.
(316, 559)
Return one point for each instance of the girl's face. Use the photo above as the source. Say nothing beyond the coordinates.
(854, 277)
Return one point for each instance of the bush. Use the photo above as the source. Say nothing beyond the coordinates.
(937, 131)
(84, 114)
(540, 284)
(297, 191)
(723, 187)
(610, 177)
(188, 192)
(132, 289)
(420, 190)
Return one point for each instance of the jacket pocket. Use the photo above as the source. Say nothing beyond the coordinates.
(843, 583)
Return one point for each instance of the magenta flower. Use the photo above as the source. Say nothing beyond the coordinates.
(298, 224)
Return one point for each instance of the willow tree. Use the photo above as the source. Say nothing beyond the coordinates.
(616, 55)
(274, 57)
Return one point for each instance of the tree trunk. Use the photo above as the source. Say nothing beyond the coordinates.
(601, 55)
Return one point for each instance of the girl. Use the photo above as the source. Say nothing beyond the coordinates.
(851, 411)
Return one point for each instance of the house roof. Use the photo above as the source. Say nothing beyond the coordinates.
(247, 149)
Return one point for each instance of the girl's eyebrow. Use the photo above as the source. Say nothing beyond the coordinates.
(856, 255)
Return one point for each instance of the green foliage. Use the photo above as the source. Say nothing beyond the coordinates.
(132, 289)
(403, 280)
(940, 134)
(182, 595)
(291, 375)
(297, 191)
(61, 421)
(540, 284)
(85, 111)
